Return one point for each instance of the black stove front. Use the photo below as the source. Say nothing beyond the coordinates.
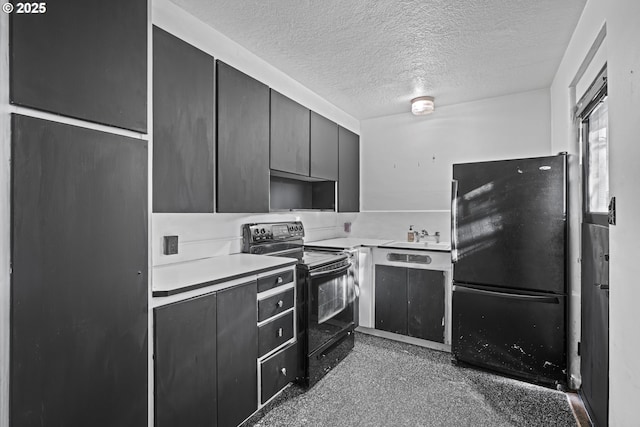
(325, 296)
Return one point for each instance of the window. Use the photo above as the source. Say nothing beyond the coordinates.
(598, 159)
(593, 116)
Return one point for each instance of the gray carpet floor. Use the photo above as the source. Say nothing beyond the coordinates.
(387, 383)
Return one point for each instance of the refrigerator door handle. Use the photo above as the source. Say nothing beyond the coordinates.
(530, 298)
(454, 219)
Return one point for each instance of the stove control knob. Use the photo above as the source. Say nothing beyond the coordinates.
(262, 231)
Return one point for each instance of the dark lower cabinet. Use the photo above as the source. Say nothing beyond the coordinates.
(82, 58)
(410, 301)
(79, 289)
(185, 363)
(183, 127)
(275, 333)
(242, 110)
(391, 299)
(277, 371)
(237, 333)
(348, 171)
(425, 304)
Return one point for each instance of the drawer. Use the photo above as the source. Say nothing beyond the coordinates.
(270, 282)
(278, 371)
(275, 333)
(273, 305)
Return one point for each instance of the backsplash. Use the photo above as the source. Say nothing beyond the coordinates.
(394, 225)
(208, 235)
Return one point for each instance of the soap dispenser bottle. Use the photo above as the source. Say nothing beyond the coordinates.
(410, 235)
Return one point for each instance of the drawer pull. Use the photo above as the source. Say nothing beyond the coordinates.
(279, 304)
(279, 280)
(280, 332)
(284, 371)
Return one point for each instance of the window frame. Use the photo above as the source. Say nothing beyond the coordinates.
(594, 96)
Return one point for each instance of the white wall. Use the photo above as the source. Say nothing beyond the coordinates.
(406, 161)
(623, 62)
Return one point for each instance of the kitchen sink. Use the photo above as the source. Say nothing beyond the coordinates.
(443, 246)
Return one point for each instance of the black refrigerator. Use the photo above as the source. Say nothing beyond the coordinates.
(509, 233)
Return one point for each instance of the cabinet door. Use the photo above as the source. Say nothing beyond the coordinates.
(324, 148)
(182, 126)
(277, 371)
(391, 299)
(237, 354)
(242, 142)
(79, 282)
(425, 304)
(185, 363)
(348, 171)
(289, 135)
(83, 58)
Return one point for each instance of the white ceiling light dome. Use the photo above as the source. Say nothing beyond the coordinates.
(422, 105)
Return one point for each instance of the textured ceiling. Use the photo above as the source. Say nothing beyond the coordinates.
(370, 58)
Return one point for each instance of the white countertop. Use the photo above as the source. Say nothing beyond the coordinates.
(185, 276)
(420, 246)
(347, 243)
(355, 242)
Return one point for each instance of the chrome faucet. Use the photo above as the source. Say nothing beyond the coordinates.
(416, 236)
(425, 234)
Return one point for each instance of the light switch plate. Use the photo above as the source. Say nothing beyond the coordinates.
(170, 245)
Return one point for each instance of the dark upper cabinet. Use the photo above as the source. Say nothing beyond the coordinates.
(289, 135)
(237, 353)
(183, 150)
(348, 171)
(83, 58)
(185, 363)
(323, 148)
(79, 277)
(242, 109)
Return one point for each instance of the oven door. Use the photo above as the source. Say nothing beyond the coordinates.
(331, 305)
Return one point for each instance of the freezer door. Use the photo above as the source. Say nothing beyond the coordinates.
(509, 223)
(517, 334)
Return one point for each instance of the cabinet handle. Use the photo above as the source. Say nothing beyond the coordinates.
(280, 304)
(280, 332)
(279, 279)
(284, 371)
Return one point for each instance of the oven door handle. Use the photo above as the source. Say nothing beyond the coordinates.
(324, 273)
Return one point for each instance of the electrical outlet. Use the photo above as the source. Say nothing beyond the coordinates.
(170, 245)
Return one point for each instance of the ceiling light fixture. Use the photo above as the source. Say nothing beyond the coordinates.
(422, 105)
